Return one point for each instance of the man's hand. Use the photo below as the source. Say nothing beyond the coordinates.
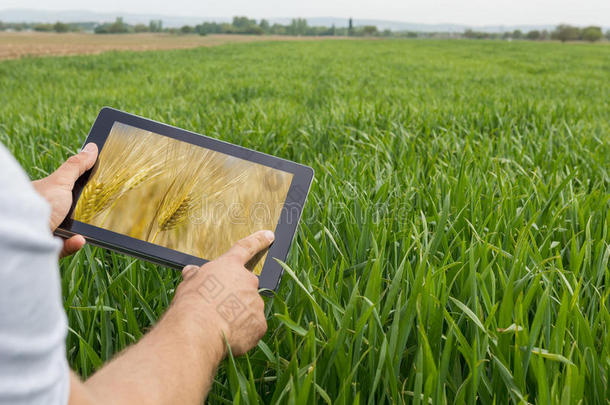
(226, 293)
(57, 190)
(176, 361)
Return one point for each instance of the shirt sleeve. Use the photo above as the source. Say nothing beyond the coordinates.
(33, 326)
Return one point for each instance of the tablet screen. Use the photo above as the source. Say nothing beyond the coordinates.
(179, 195)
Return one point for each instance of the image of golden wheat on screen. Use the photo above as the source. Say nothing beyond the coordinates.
(178, 195)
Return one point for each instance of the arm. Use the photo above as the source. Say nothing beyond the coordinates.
(33, 327)
(175, 362)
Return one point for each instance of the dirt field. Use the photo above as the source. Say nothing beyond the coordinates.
(14, 45)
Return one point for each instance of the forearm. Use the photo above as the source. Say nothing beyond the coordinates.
(173, 364)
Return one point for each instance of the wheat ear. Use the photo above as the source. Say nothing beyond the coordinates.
(175, 214)
(95, 198)
(142, 175)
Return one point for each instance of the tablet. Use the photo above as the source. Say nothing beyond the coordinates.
(174, 197)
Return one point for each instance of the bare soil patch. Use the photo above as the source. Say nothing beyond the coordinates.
(15, 45)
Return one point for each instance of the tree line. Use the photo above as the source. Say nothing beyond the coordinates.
(562, 32)
(244, 26)
(46, 27)
(300, 27)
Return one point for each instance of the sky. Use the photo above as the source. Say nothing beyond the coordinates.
(470, 12)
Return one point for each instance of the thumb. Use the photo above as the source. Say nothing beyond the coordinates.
(189, 271)
(75, 166)
(72, 245)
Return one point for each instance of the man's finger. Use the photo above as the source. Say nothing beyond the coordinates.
(246, 248)
(75, 166)
(189, 271)
(72, 245)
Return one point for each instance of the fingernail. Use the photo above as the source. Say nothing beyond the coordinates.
(269, 235)
(89, 148)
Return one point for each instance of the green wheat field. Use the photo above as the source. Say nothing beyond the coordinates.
(455, 245)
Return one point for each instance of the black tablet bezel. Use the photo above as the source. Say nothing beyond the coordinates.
(284, 232)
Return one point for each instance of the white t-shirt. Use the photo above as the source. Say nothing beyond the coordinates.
(33, 326)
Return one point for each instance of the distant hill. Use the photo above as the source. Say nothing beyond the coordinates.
(48, 16)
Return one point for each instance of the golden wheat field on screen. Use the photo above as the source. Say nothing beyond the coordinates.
(178, 195)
